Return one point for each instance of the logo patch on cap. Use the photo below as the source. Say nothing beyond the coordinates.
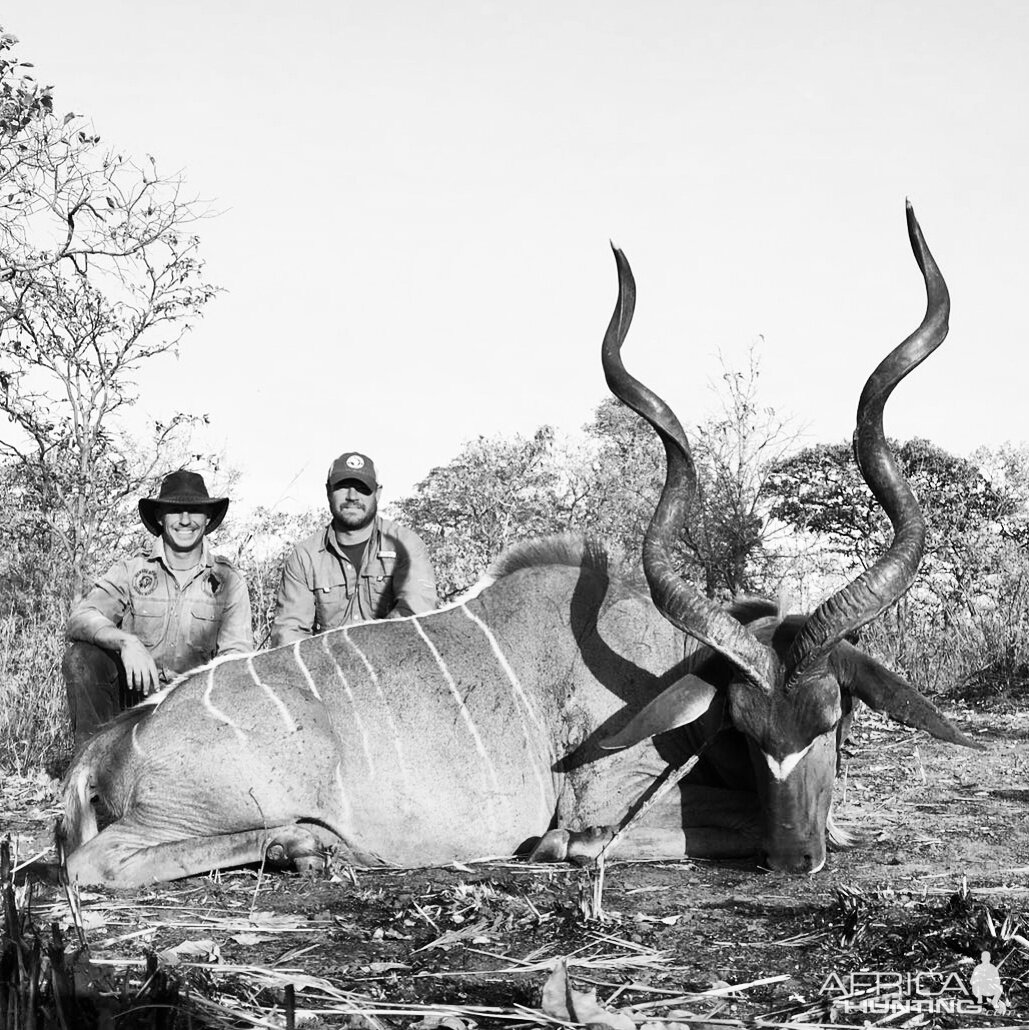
(355, 461)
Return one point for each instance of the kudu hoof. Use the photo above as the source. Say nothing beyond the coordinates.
(298, 852)
(584, 846)
(580, 847)
(552, 847)
(310, 865)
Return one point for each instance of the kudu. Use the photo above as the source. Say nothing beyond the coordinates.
(469, 731)
(786, 686)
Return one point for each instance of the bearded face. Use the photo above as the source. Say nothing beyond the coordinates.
(353, 505)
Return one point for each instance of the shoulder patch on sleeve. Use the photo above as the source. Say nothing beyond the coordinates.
(226, 570)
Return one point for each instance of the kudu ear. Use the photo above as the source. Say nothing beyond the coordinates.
(887, 692)
(681, 703)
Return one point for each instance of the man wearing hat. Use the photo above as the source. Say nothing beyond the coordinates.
(360, 567)
(165, 610)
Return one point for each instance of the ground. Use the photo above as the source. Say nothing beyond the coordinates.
(942, 874)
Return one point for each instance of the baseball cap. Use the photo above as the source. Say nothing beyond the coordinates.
(352, 465)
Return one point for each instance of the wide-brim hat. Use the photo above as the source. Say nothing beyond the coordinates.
(182, 491)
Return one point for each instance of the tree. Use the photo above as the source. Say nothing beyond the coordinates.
(820, 491)
(493, 493)
(259, 548)
(726, 543)
(730, 535)
(615, 481)
(967, 615)
(99, 274)
(498, 491)
(1006, 469)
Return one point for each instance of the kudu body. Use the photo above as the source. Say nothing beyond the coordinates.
(469, 731)
(458, 734)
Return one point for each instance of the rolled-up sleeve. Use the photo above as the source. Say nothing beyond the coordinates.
(103, 607)
(236, 633)
(414, 581)
(294, 603)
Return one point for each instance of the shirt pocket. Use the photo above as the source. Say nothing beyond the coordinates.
(205, 620)
(379, 583)
(330, 604)
(148, 623)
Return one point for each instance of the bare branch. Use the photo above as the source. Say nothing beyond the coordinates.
(99, 273)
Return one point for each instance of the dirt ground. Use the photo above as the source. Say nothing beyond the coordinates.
(941, 875)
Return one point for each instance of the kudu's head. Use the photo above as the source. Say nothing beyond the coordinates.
(793, 679)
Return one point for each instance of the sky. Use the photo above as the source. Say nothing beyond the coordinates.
(415, 200)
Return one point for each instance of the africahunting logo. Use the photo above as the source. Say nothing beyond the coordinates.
(883, 993)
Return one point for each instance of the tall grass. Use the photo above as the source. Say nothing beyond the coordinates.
(975, 651)
(34, 727)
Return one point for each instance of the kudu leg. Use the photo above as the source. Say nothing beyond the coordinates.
(693, 821)
(127, 857)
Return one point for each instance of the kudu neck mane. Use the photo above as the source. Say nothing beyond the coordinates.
(567, 549)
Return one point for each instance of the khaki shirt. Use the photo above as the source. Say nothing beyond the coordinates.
(182, 627)
(321, 590)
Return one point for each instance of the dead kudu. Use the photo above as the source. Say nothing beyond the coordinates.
(470, 731)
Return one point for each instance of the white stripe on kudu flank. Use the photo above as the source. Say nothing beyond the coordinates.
(291, 726)
(508, 671)
(217, 712)
(345, 813)
(304, 669)
(516, 687)
(354, 711)
(394, 733)
(461, 707)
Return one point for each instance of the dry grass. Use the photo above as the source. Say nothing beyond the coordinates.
(34, 731)
(165, 958)
(108, 958)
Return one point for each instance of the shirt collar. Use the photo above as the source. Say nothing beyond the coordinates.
(157, 553)
(331, 544)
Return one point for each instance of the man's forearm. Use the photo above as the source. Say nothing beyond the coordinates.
(418, 594)
(86, 623)
(111, 638)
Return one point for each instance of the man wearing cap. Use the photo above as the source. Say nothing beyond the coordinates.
(360, 567)
(165, 610)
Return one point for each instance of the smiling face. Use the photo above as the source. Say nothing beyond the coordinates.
(182, 530)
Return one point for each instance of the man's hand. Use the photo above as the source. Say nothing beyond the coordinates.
(140, 670)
